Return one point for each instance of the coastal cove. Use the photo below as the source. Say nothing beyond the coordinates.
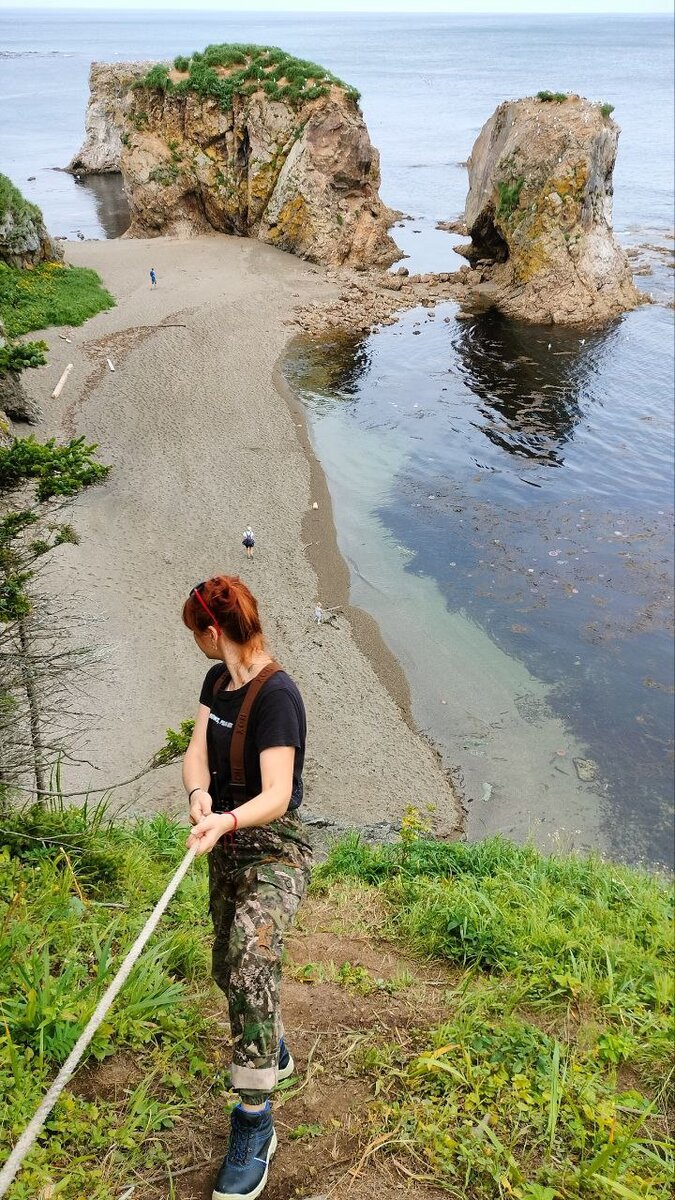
(201, 442)
(471, 462)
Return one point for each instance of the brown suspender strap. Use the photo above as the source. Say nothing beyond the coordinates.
(237, 769)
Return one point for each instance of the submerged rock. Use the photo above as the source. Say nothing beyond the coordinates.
(24, 241)
(244, 140)
(539, 212)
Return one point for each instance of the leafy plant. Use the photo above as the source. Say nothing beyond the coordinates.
(60, 470)
(606, 110)
(175, 745)
(18, 356)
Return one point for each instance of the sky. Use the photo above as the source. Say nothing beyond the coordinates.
(356, 6)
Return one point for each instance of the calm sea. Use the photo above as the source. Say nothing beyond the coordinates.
(503, 494)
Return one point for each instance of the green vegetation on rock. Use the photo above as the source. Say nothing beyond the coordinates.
(552, 97)
(606, 109)
(12, 201)
(509, 195)
(223, 71)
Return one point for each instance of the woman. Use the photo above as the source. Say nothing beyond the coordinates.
(259, 858)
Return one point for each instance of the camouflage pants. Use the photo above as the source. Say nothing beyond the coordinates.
(255, 888)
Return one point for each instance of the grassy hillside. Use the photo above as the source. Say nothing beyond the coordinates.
(519, 1046)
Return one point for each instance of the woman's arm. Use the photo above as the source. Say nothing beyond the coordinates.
(276, 770)
(196, 768)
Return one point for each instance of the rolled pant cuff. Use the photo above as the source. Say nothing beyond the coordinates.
(253, 1079)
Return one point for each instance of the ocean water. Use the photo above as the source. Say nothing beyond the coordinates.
(502, 493)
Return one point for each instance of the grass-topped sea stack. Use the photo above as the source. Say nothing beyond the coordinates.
(246, 140)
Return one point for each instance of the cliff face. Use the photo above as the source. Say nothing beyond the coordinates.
(24, 241)
(539, 212)
(244, 154)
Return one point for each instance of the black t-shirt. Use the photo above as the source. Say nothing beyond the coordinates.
(276, 719)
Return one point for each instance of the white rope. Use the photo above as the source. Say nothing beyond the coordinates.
(32, 1130)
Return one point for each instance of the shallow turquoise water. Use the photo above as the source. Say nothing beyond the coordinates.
(522, 478)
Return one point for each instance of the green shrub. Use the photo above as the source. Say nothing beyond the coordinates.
(181, 63)
(157, 79)
(21, 355)
(59, 470)
(509, 195)
(606, 109)
(552, 97)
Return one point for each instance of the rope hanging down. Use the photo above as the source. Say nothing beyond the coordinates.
(32, 1130)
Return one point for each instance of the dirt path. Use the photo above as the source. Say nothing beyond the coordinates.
(326, 1121)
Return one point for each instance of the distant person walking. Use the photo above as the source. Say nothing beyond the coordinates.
(153, 278)
(248, 541)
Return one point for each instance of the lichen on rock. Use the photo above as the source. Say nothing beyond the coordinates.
(245, 140)
(539, 212)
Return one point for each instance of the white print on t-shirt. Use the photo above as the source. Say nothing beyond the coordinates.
(220, 721)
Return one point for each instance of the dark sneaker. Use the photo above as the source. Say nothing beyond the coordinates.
(286, 1064)
(253, 1141)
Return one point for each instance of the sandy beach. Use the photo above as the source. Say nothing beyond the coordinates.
(203, 440)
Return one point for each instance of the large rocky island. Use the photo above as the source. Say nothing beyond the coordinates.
(244, 140)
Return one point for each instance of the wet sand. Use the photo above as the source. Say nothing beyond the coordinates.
(203, 439)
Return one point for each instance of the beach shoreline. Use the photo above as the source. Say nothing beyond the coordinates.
(204, 435)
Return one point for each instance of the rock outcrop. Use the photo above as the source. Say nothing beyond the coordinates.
(24, 241)
(539, 213)
(263, 147)
(110, 98)
(14, 403)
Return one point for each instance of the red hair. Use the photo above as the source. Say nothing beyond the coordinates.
(232, 606)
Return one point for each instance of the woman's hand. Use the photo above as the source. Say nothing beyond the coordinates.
(209, 830)
(200, 806)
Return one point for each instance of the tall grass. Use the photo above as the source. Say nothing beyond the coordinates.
(75, 889)
(549, 1080)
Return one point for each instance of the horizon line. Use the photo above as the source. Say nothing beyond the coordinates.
(469, 11)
